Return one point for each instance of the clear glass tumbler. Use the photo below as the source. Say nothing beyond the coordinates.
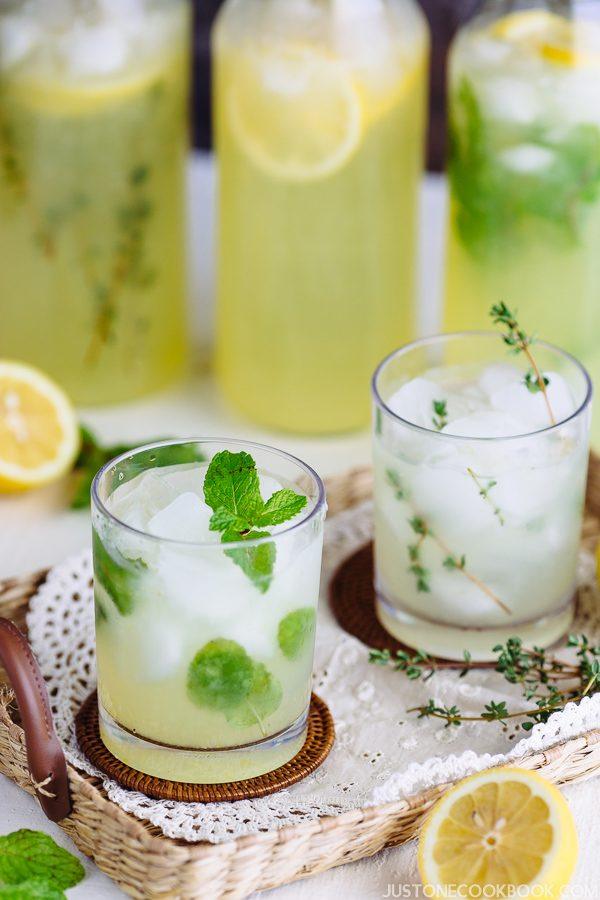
(204, 646)
(477, 517)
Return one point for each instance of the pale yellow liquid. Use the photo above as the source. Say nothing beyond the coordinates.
(92, 229)
(317, 275)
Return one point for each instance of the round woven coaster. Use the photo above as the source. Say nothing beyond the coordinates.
(352, 600)
(318, 744)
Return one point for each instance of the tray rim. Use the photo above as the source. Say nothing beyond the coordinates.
(123, 846)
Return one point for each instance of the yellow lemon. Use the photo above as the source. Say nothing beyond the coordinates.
(504, 828)
(527, 26)
(557, 40)
(295, 111)
(39, 434)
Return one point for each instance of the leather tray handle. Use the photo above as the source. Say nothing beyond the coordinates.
(47, 764)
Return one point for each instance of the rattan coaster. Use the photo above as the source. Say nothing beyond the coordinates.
(352, 601)
(318, 744)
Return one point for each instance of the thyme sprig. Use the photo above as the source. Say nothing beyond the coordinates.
(548, 683)
(440, 417)
(520, 342)
(129, 265)
(484, 493)
(451, 561)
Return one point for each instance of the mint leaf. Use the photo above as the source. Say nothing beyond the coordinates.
(232, 484)
(116, 574)
(264, 698)
(223, 520)
(232, 490)
(31, 856)
(256, 562)
(280, 507)
(31, 890)
(492, 200)
(295, 630)
(221, 675)
(93, 456)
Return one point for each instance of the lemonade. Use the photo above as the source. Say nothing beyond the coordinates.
(93, 138)
(319, 126)
(478, 497)
(524, 170)
(205, 639)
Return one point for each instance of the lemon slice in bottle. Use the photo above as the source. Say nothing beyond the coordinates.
(39, 434)
(550, 36)
(296, 112)
(508, 828)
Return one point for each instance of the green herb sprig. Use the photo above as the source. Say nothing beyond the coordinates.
(93, 455)
(484, 493)
(451, 560)
(440, 417)
(232, 490)
(519, 341)
(493, 202)
(548, 683)
(34, 867)
(129, 266)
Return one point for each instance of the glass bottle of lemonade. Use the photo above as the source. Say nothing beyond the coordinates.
(524, 171)
(93, 139)
(319, 123)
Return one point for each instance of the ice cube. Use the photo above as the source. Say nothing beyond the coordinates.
(204, 584)
(18, 37)
(121, 9)
(448, 497)
(485, 424)
(155, 647)
(139, 499)
(256, 636)
(498, 375)
(488, 51)
(95, 51)
(511, 100)
(577, 97)
(530, 409)
(527, 159)
(186, 518)
(413, 402)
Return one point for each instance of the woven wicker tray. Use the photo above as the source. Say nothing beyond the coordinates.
(146, 864)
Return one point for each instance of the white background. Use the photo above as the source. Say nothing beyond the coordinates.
(37, 530)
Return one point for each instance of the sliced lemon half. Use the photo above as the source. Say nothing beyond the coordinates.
(39, 434)
(296, 112)
(505, 828)
(552, 37)
(68, 98)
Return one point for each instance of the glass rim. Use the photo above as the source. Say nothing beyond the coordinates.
(445, 337)
(319, 506)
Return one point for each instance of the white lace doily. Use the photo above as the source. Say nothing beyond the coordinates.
(381, 752)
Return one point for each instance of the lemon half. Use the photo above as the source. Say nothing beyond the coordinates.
(296, 112)
(39, 434)
(555, 39)
(504, 827)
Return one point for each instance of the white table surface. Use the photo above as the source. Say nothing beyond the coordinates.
(37, 530)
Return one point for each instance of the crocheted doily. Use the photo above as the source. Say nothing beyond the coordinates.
(381, 752)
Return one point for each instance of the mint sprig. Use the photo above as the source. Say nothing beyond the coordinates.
(232, 490)
(117, 575)
(223, 677)
(93, 455)
(32, 865)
